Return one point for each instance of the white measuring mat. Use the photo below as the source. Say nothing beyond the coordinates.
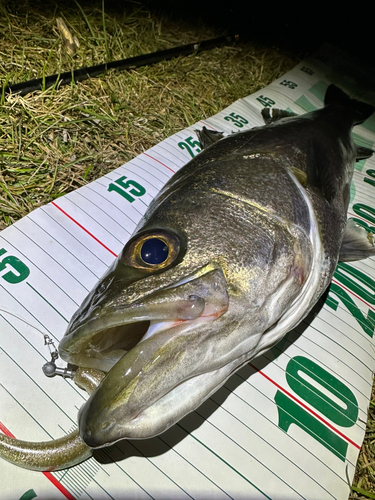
(288, 425)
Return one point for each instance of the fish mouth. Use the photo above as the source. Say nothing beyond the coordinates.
(155, 355)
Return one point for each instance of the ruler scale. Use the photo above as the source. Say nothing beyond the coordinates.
(289, 424)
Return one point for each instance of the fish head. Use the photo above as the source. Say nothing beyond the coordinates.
(184, 305)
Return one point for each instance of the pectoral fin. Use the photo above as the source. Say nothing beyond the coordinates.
(357, 243)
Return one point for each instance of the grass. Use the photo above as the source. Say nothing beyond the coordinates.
(59, 139)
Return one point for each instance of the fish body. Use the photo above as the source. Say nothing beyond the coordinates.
(233, 253)
(253, 228)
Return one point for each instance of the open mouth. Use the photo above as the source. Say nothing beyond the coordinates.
(100, 336)
(106, 347)
(151, 353)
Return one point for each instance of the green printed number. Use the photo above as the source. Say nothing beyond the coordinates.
(301, 370)
(305, 378)
(289, 84)
(365, 212)
(16, 270)
(367, 323)
(362, 223)
(355, 280)
(371, 173)
(28, 495)
(360, 284)
(192, 146)
(237, 120)
(307, 70)
(128, 189)
(291, 412)
(266, 101)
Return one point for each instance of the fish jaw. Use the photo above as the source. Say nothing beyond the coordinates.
(175, 369)
(162, 357)
(104, 334)
(170, 373)
(155, 385)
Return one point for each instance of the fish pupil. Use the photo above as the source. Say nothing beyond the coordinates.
(154, 251)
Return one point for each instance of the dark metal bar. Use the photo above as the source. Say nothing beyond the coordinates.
(80, 74)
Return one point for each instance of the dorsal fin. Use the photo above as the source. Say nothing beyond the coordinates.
(324, 160)
(360, 110)
(207, 137)
(274, 114)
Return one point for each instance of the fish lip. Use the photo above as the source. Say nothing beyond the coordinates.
(102, 431)
(109, 434)
(76, 340)
(93, 320)
(160, 355)
(97, 321)
(140, 425)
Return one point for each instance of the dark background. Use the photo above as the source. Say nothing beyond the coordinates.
(300, 29)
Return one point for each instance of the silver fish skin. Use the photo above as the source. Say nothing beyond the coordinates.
(233, 253)
(254, 227)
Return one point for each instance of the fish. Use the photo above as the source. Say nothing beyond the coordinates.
(233, 253)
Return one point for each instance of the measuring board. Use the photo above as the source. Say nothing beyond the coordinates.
(289, 424)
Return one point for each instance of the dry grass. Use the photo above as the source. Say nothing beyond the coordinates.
(57, 140)
(364, 480)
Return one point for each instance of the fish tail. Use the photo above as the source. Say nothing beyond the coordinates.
(360, 110)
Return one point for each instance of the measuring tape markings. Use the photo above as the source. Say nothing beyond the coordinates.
(84, 228)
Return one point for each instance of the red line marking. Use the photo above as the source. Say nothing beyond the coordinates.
(152, 158)
(360, 173)
(306, 407)
(352, 293)
(359, 217)
(48, 475)
(59, 486)
(6, 431)
(84, 229)
(207, 124)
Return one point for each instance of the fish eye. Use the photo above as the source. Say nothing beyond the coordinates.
(152, 251)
